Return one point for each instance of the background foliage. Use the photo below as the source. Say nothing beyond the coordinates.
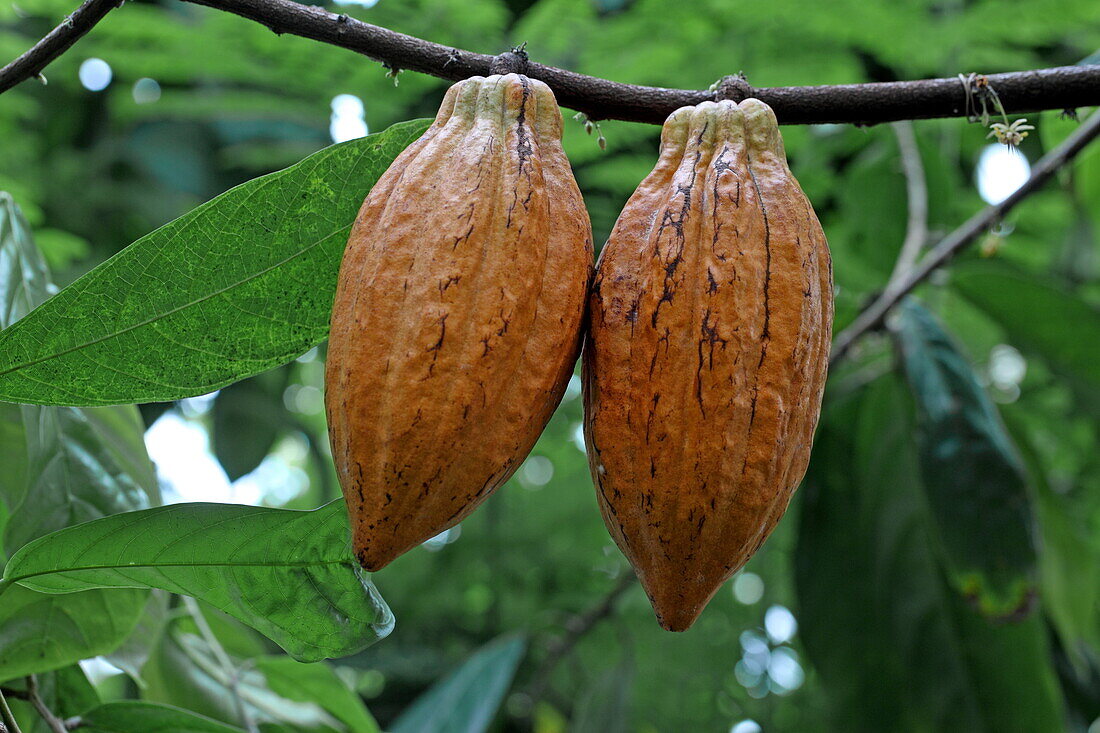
(942, 559)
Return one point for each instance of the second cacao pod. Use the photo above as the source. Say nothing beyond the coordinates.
(710, 327)
(458, 314)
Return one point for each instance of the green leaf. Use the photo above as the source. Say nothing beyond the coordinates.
(66, 466)
(132, 656)
(238, 285)
(185, 671)
(466, 700)
(24, 278)
(318, 684)
(248, 417)
(895, 648)
(1037, 315)
(288, 574)
(974, 478)
(132, 716)
(83, 465)
(40, 632)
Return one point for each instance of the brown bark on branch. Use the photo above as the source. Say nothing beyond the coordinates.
(1056, 88)
(56, 42)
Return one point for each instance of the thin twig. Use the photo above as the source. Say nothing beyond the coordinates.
(875, 314)
(1056, 88)
(916, 188)
(56, 724)
(231, 671)
(55, 43)
(7, 717)
(575, 630)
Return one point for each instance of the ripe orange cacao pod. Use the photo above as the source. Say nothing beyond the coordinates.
(710, 320)
(458, 314)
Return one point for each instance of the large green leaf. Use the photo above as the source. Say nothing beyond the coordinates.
(290, 575)
(62, 466)
(234, 287)
(1038, 316)
(974, 478)
(132, 716)
(466, 700)
(248, 417)
(895, 648)
(83, 464)
(40, 632)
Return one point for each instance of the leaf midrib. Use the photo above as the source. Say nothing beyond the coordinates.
(160, 316)
(148, 566)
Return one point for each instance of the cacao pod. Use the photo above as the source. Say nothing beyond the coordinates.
(458, 314)
(711, 313)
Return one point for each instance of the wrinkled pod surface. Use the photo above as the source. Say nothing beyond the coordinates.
(711, 313)
(458, 314)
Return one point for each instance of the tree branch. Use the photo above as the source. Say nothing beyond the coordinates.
(875, 314)
(7, 720)
(916, 230)
(575, 630)
(54, 723)
(1063, 87)
(55, 43)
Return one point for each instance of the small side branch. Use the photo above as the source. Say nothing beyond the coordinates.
(576, 630)
(875, 314)
(916, 230)
(54, 723)
(55, 43)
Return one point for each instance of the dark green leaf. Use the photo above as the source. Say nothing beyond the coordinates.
(24, 279)
(83, 465)
(466, 700)
(248, 417)
(288, 574)
(1037, 315)
(241, 284)
(131, 716)
(40, 632)
(975, 481)
(894, 647)
(134, 652)
(67, 466)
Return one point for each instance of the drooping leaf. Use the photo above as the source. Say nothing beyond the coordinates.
(238, 285)
(248, 417)
(62, 466)
(184, 671)
(975, 481)
(289, 574)
(467, 699)
(319, 684)
(895, 647)
(1037, 315)
(135, 651)
(133, 716)
(83, 464)
(40, 632)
